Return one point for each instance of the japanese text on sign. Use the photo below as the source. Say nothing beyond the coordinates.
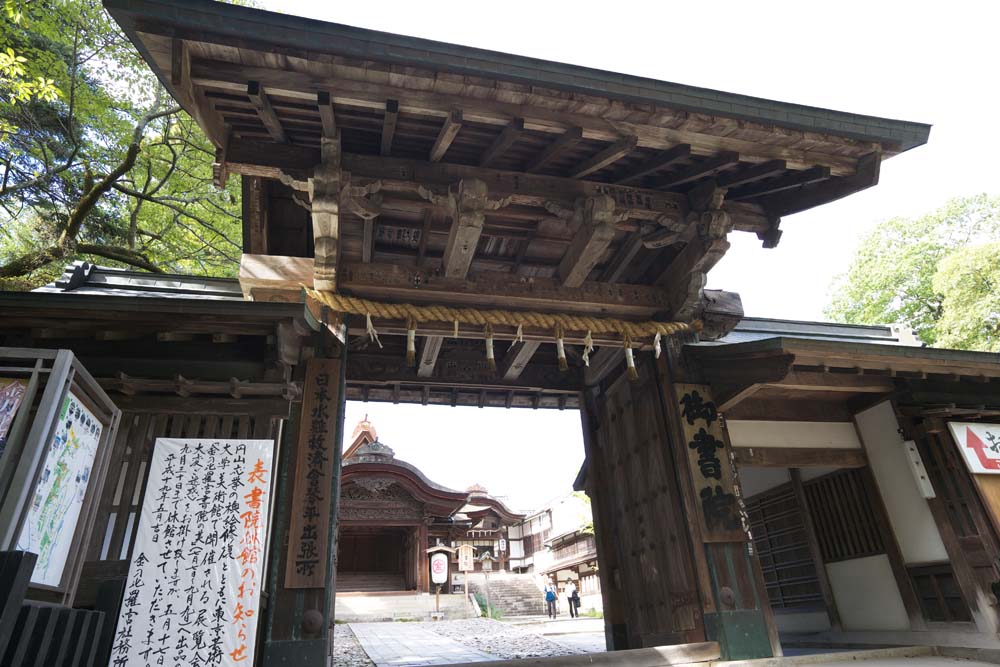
(717, 506)
(307, 543)
(193, 589)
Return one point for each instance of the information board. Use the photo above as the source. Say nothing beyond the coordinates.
(980, 446)
(55, 508)
(193, 591)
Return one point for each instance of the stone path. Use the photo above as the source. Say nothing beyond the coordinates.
(407, 645)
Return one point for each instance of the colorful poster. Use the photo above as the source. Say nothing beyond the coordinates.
(980, 446)
(11, 394)
(193, 591)
(62, 485)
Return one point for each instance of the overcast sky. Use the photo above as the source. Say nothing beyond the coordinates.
(920, 61)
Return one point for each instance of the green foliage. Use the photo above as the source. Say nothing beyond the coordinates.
(936, 274)
(96, 161)
(490, 612)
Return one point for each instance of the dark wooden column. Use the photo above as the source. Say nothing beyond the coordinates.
(734, 601)
(298, 625)
(423, 564)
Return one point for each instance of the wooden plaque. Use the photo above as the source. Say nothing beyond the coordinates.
(709, 461)
(309, 531)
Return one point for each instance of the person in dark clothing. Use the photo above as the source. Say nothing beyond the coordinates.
(573, 597)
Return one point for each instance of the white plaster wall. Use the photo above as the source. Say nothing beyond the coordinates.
(911, 519)
(802, 621)
(754, 480)
(866, 594)
(762, 433)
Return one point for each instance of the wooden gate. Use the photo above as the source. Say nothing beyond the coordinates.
(642, 531)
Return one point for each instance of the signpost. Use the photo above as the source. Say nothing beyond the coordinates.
(466, 564)
(487, 561)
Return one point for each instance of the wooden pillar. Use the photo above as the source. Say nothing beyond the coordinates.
(601, 502)
(734, 603)
(298, 627)
(423, 578)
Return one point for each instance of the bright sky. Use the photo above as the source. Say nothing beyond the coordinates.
(919, 61)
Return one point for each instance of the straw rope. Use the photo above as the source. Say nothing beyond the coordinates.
(629, 331)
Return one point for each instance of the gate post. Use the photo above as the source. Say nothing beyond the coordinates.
(302, 567)
(737, 613)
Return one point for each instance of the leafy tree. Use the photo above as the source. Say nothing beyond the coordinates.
(938, 274)
(96, 161)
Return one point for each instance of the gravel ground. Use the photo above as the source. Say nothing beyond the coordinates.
(505, 641)
(347, 652)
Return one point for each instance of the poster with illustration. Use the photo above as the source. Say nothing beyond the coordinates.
(11, 394)
(62, 485)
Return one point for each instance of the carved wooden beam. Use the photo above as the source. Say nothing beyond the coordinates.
(609, 155)
(265, 276)
(449, 130)
(564, 142)
(466, 206)
(703, 169)
(596, 218)
(326, 114)
(659, 161)
(325, 190)
(266, 113)
(389, 125)
(191, 97)
(503, 142)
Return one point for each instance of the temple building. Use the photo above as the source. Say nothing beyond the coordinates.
(391, 513)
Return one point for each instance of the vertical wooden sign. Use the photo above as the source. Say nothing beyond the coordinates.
(709, 461)
(308, 536)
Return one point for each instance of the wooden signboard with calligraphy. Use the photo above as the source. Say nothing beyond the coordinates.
(709, 461)
(310, 524)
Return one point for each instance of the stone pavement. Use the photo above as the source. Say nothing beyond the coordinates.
(406, 645)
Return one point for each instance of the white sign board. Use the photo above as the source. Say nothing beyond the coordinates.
(439, 568)
(466, 558)
(193, 590)
(62, 486)
(980, 446)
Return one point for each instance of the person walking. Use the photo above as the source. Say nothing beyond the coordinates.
(574, 600)
(550, 599)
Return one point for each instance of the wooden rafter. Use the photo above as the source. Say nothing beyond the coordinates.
(657, 162)
(623, 259)
(389, 125)
(449, 130)
(266, 113)
(753, 173)
(609, 155)
(788, 182)
(703, 169)
(503, 142)
(564, 142)
(516, 359)
(298, 85)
